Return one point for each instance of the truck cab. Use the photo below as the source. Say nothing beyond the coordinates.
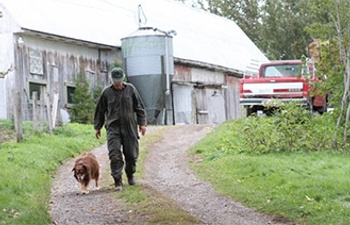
(282, 81)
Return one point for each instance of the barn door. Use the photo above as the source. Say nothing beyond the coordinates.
(216, 104)
(202, 111)
(210, 106)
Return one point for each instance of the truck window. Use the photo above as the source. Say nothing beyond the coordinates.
(282, 71)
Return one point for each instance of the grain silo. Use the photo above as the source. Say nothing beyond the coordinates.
(149, 65)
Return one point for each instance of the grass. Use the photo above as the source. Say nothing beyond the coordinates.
(27, 169)
(306, 187)
(303, 187)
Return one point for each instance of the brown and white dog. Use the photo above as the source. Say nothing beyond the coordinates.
(86, 168)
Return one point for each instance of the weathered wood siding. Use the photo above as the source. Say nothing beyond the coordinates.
(232, 95)
(203, 96)
(56, 64)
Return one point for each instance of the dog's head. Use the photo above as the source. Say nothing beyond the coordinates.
(80, 171)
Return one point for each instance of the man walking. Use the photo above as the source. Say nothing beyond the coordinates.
(121, 110)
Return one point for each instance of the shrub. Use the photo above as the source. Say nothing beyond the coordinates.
(292, 128)
(83, 102)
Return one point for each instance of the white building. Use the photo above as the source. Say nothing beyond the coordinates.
(48, 42)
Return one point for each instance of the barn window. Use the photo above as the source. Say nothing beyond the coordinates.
(36, 87)
(69, 94)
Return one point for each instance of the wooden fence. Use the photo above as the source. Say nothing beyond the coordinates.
(43, 113)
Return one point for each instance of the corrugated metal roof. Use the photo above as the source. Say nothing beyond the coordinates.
(201, 36)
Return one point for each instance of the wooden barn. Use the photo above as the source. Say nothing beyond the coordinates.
(45, 44)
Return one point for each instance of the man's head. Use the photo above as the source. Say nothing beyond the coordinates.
(117, 74)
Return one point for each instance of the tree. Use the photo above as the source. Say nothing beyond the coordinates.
(275, 26)
(246, 13)
(3, 74)
(83, 102)
(283, 35)
(333, 27)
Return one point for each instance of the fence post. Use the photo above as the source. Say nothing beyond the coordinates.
(54, 109)
(35, 111)
(48, 110)
(18, 116)
(41, 113)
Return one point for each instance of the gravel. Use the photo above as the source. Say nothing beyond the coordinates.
(166, 170)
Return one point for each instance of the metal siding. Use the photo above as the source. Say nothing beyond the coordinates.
(152, 94)
(146, 55)
(183, 104)
(146, 65)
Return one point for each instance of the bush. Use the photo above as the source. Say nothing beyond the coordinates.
(292, 128)
(83, 102)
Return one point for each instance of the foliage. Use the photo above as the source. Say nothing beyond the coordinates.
(291, 129)
(246, 13)
(27, 169)
(275, 26)
(302, 186)
(333, 28)
(96, 91)
(83, 101)
(283, 23)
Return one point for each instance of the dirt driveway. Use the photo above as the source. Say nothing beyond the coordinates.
(166, 170)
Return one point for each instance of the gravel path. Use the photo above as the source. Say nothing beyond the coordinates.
(168, 172)
(166, 169)
(99, 207)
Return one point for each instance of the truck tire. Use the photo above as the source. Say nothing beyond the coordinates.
(250, 110)
(253, 110)
(320, 109)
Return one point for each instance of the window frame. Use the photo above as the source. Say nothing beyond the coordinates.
(30, 92)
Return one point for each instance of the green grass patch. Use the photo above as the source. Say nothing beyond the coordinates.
(27, 169)
(306, 187)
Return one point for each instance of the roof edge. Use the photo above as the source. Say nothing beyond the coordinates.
(213, 67)
(55, 37)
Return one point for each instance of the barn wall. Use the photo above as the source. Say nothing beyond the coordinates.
(202, 96)
(6, 63)
(207, 76)
(7, 26)
(55, 65)
(234, 110)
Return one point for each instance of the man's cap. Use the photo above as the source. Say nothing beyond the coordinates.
(117, 74)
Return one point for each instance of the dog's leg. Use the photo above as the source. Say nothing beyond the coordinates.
(84, 189)
(96, 181)
(96, 185)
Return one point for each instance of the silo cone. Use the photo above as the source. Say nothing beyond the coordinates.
(149, 65)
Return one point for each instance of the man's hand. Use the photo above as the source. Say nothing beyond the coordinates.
(142, 129)
(98, 134)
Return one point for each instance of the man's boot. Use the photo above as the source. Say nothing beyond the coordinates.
(131, 179)
(118, 184)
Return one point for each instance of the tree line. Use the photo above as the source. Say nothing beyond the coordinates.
(284, 29)
(277, 27)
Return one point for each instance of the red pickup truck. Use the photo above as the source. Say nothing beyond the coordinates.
(284, 81)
